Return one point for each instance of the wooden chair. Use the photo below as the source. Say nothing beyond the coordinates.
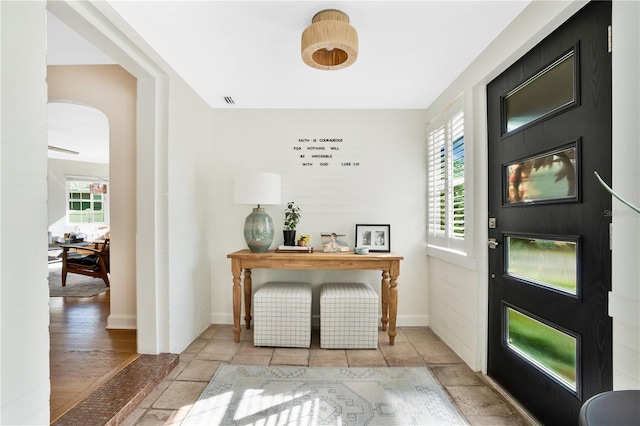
(94, 264)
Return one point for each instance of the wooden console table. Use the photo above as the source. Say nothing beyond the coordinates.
(388, 263)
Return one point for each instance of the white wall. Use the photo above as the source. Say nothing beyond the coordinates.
(191, 184)
(392, 179)
(24, 298)
(624, 300)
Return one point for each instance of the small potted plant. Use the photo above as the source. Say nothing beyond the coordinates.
(291, 219)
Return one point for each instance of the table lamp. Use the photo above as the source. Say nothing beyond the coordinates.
(257, 188)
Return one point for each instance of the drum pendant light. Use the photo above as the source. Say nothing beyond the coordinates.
(329, 43)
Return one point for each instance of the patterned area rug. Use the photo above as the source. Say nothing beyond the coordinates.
(252, 395)
(77, 285)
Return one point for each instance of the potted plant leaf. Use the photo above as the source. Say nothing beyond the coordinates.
(291, 219)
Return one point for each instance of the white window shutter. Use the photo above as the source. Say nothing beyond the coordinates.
(446, 175)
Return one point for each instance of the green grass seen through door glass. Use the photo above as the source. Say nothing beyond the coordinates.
(549, 263)
(549, 348)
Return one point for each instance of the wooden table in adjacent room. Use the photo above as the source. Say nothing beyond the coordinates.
(388, 263)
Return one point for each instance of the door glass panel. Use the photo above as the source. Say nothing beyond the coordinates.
(551, 350)
(548, 263)
(545, 93)
(545, 178)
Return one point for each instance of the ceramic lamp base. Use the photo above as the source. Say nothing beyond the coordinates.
(258, 230)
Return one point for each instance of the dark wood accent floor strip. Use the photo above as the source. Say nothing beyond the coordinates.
(120, 395)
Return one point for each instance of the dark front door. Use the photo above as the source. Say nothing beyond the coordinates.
(549, 121)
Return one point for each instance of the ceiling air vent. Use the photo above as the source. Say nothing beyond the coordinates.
(229, 100)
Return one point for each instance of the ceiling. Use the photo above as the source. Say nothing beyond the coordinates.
(409, 51)
(79, 128)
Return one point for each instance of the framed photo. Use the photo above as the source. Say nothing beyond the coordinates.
(374, 237)
(333, 242)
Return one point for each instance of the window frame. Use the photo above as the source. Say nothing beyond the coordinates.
(443, 132)
(69, 181)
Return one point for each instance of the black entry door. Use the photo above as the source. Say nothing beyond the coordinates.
(549, 121)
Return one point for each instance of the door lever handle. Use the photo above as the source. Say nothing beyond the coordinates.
(492, 243)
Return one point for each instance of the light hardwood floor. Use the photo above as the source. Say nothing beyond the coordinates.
(83, 353)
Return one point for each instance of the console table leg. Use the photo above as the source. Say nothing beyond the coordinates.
(247, 297)
(393, 308)
(384, 291)
(237, 296)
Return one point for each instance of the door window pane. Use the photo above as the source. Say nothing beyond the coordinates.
(548, 263)
(543, 94)
(547, 177)
(549, 349)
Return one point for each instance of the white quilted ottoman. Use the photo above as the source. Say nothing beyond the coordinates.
(282, 315)
(348, 316)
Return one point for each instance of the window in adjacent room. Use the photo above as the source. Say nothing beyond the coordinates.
(446, 174)
(86, 200)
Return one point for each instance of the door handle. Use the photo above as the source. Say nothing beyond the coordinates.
(492, 243)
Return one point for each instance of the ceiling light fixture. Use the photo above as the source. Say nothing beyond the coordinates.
(330, 43)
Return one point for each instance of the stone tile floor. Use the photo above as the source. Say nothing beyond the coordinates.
(169, 403)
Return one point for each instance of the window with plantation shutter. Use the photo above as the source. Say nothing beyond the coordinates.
(446, 172)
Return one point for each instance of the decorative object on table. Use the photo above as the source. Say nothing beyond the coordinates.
(321, 395)
(333, 243)
(330, 42)
(377, 238)
(257, 188)
(77, 237)
(291, 218)
(294, 249)
(303, 240)
(361, 250)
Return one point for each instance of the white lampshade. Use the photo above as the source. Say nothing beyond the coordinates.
(257, 188)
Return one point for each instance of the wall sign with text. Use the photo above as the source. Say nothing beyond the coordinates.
(323, 174)
(320, 152)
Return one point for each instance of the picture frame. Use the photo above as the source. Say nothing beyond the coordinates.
(333, 242)
(377, 238)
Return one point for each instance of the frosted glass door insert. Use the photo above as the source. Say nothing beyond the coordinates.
(548, 348)
(546, 93)
(550, 177)
(548, 263)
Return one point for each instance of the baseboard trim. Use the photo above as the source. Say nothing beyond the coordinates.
(122, 322)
